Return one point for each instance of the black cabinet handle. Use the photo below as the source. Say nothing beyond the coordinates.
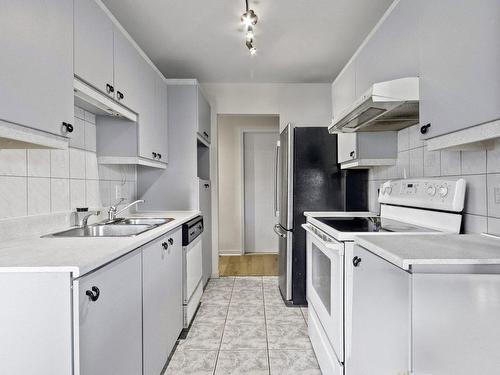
(159, 156)
(205, 134)
(425, 128)
(68, 126)
(93, 294)
(171, 241)
(356, 261)
(165, 245)
(154, 154)
(120, 95)
(207, 186)
(352, 153)
(109, 88)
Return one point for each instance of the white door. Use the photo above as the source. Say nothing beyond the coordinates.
(259, 178)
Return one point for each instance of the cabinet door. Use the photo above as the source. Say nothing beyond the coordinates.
(162, 299)
(206, 210)
(377, 316)
(391, 52)
(127, 63)
(344, 90)
(459, 57)
(347, 147)
(111, 326)
(36, 66)
(203, 116)
(147, 126)
(161, 119)
(93, 45)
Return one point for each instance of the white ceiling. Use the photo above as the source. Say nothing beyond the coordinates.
(297, 40)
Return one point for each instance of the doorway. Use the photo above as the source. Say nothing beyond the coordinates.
(259, 192)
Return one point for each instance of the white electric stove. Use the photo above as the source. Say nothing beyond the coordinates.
(409, 206)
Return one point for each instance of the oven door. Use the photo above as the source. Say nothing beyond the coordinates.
(325, 284)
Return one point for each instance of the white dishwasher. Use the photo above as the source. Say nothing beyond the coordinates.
(192, 267)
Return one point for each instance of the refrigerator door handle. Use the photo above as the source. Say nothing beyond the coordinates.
(276, 176)
(277, 230)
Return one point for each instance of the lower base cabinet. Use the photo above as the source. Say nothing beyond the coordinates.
(110, 319)
(162, 299)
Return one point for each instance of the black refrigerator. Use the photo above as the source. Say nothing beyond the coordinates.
(309, 179)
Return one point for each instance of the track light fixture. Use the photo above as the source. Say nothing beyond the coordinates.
(249, 20)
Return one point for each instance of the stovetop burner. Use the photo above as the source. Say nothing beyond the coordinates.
(370, 224)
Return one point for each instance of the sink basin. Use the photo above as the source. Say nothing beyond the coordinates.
(144, 221)
(103, 230)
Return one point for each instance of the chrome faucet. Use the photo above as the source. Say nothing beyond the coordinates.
(113, 210)
(85, 219)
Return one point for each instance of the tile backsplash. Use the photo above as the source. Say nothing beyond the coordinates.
(41, 182)
(481, 170)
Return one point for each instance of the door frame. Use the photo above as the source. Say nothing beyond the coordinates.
(242, 176)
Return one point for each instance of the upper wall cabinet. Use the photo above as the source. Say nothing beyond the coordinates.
(94, 46)
(344, 90)
(204, 119)
(459, 64)
(36, 66)
(392, 51)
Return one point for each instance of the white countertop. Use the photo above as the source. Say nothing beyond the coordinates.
(80, 255)
(442, 249)
(339, 214)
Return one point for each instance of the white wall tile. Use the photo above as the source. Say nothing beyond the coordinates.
(77, 194)
(475, 197)
(473, 162)
(91, 168)
(417, 162)
(39, 163)
(59, 163)
(494, 226)
(475, 223)
(79, 112)
(403, 139)
(90, 137)
(93, 198)
(89, 117)
(59, 193)
(432, 163)
(13, 162)
(493, 158)
(414, 136)
(105, 192)
(403, 164)
(76, 163)
(13, 196)
(77, 137)
(450, 163)
(494, 195)
(38, 195)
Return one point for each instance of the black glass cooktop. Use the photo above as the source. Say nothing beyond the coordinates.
(370, 224)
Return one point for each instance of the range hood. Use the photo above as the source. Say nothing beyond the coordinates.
(96, 102)
(389, 105)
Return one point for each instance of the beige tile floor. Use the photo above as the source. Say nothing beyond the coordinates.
(243, 327)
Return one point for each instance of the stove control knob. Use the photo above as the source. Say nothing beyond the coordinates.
(443, 191)
(431, 190)
(388, 190)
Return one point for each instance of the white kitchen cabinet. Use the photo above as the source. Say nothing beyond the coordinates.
(36, 67)
(162, 299)
(367, 149)
(161, 119)
(377, 327)
(110, 327)
(147, 126)
(344, 90)
(93, 47)
(391, 52)
(206, 210)
(127, 65)
(459, 72)
(204, 119)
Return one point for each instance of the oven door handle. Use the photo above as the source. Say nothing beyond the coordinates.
(330, 243)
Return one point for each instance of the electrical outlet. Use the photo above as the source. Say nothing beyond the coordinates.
(118, 191)
(497, 195)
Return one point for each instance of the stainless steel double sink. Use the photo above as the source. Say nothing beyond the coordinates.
(126, 227)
